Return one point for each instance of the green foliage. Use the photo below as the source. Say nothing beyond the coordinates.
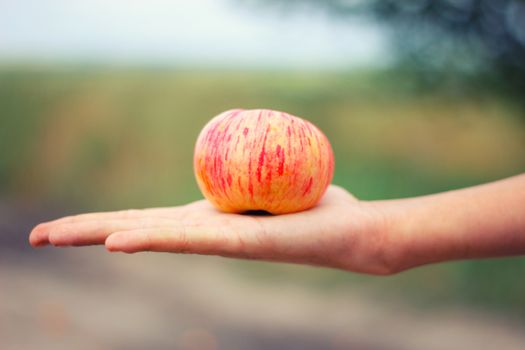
(463, 45)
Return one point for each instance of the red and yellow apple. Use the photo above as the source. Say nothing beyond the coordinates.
(262, 160)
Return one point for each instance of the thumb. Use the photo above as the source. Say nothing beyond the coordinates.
(176, 239)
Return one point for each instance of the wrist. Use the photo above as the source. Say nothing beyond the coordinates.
(418, 233)
(380, 249)
(395, 227)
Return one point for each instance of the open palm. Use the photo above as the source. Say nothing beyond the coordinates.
(339, 232)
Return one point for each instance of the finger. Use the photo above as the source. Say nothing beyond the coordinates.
(224, 242)
(117, 215)
(39, 235)
(239, 237)
(96, 232)
(176, 239)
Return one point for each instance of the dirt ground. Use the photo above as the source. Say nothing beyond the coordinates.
(85, 298)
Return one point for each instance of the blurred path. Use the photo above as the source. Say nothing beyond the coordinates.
(86, 298)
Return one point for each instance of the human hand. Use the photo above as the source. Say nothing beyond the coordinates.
(380, 237)
(340, 232)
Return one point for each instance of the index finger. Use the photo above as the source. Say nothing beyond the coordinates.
(39, 235)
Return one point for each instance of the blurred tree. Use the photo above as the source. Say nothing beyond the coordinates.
(472, 43)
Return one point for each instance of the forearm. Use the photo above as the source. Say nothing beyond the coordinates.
(478, 222)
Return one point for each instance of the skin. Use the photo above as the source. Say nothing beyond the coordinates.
(377, 237)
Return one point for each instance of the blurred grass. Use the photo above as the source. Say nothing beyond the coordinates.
(101, 139)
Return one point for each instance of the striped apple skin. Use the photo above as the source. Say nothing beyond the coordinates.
(262, 159)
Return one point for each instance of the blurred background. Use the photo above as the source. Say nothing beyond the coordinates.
(101, 103)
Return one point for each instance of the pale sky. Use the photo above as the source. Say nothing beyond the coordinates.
(194, 32)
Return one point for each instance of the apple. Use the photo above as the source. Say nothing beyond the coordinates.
(262, 160)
